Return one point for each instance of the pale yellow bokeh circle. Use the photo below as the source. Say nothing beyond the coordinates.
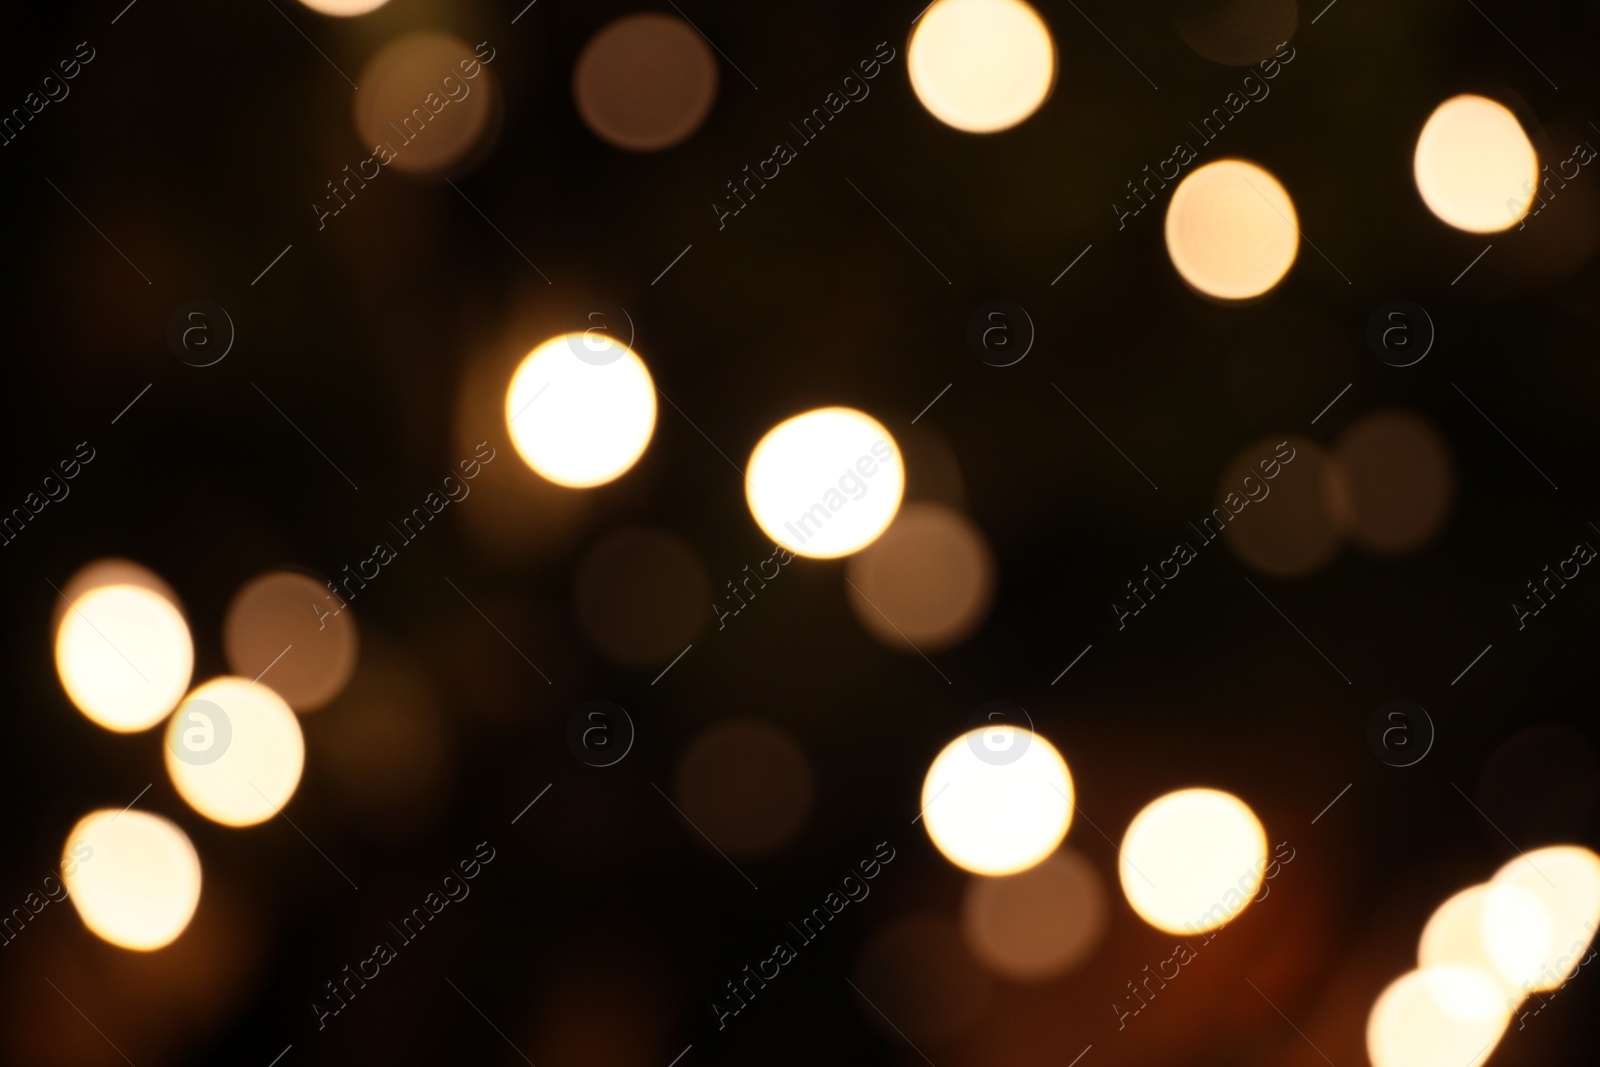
(344, 8)
(1437, 1017)
(1192, 860)
(981, 65)
(1474, 165)
(1231, 230)
(234, 751)
(124, 656)
(134, 877)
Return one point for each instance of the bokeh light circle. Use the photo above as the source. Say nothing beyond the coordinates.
(1392, 482)
(1566, 879)
(1474, 165)
(645, 82)
(641, 596)
(981, 65)
(259, 771)
(1037, 924)
(997, 818)
(746, 785)
(344, 8)
(431, 101)
(825, 483)
(1437, 1017)
(576, 422)
(926, 583)
(124, 656)
(134, 877)
(1232, 232)
(1192, 860)
(287, 629)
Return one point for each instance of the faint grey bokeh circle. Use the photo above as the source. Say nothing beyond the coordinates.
(202, 735)
(600, 321)
(1400, 333)
(1000, 333)
(1400, 733)
(599, 733)
(200, 333)
(645, 82)
(988, 739)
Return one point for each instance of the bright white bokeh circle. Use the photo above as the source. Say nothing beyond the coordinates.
(995, 817)
(259, 769)
(1437, 1017)
(1474, 165)
(344, 8)
(825, 483)
(1192, 860)
(1566, 878)
(134, 877)
(124, 656)
(581, 421)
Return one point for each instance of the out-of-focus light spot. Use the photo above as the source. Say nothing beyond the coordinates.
(825, 483)
(927, 581)
(109, 571)
(1437, 1017)
(1037, 924)
(1566, 878)
(746, 785)
(997, 814)
(645, 82)
(1232, 231)
(642, 596)
(429, 101)
(288, 630)
(918, 973)
(581, 422)
(1541, 784)
(1192, 860)
(1283, 525)
(1391, 482)
(344, 8)
(124, 656)
(1239, 32)
(981, 65)
(1474, 165)
(134, 877)
(234, 751)
(1502, 930)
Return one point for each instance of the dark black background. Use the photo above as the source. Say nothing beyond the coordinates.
(196, 141)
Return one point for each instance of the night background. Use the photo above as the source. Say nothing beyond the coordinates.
(788, 743)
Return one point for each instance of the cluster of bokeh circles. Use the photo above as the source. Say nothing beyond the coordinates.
(831, 483)
(234, 750)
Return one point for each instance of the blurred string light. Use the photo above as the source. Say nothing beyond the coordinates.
(825, 483)
(1525, 931)
(926, 584)
(428, 99)
(1038, 924)
(645, 82)
(277, 628)
(123, 650)
(344, 8)
(234, 751)
(134, 877)
(997, 808)
(1231, 230)
(1192, 860)
(981, 65)
(581, 420)
(1474, 165)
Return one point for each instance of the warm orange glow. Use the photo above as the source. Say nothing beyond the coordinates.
(645, 82)
(427, 105)
(981, 65)
(287, 629)
(926, 584)
(1037, 924)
